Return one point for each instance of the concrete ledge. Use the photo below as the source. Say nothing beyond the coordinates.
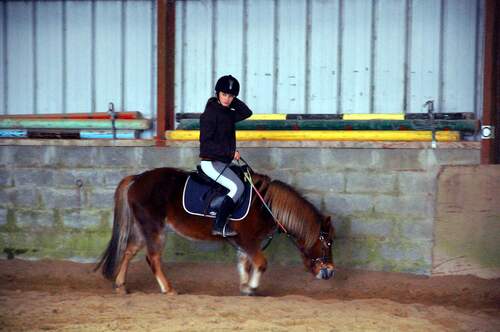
(341, 144)
(248, 144)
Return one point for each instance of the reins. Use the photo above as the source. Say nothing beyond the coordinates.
(248, 176)
(270, 237)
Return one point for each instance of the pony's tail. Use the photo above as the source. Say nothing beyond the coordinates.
(122, 226)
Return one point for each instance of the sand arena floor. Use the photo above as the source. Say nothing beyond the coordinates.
(67, 296)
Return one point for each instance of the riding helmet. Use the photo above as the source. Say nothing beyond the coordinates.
(228, 84)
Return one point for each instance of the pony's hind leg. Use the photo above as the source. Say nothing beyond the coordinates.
(154, 261)
(134, 245)
(130, 252)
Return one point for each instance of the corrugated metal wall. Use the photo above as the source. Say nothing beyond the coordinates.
(339, 56)
(292, 56)
(77, 56)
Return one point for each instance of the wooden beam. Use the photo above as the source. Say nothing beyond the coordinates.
(489, 147)
(325, 135)
(166, 65)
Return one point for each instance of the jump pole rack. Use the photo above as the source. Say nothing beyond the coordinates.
(444, 127)
(96, 125)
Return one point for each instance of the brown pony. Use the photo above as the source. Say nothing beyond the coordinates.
(144, 203)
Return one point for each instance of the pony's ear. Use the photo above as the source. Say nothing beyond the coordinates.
(328, 219)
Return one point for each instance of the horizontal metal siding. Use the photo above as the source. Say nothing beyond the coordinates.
(341, 56)
(77, 56)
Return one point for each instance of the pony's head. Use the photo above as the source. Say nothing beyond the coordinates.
(318, 257)
(311, 232)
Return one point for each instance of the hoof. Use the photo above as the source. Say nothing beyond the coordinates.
(248, 291)
(120, 290)
(171, 292)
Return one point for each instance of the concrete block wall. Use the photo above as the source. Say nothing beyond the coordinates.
(56, 201)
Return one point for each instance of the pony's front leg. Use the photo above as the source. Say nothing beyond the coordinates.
(244, 269)
(251, 272)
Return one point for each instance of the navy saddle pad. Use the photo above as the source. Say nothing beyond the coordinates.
(199, 193)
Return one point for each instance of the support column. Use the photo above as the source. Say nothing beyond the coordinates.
(166, 67)
(490, 148)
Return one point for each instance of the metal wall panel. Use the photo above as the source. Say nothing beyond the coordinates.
(291, 64)
(425, 50)
(77, 56)
(108, 51)
(356, 57)
(20, 57)
(259, 88)
(389, 56)
(180, 28)
(3, 57)
(338, 56)
(196, 62)
(322, 96)
(459, 69)
(302, 56)
(139, 70)
(48, 68)
(227, 45)
(80, 61)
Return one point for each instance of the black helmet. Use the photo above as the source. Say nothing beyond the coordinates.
(228, 84)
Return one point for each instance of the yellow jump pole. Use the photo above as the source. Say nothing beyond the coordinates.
(267, 117)
(326, 135)
(373, 116)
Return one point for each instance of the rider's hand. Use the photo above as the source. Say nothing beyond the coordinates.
(237, 155)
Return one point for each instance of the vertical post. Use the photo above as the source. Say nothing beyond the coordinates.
(489, 147)
(166, 65)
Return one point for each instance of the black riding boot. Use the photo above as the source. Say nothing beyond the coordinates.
(221, 224)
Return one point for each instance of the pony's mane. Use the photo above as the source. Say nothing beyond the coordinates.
(292, 210)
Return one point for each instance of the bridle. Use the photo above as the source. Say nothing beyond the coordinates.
(326, 247)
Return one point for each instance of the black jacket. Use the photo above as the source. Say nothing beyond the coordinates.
(217, 129)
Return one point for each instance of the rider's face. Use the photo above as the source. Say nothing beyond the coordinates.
(225, 98)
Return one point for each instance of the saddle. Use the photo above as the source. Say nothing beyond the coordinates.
(202, 196)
